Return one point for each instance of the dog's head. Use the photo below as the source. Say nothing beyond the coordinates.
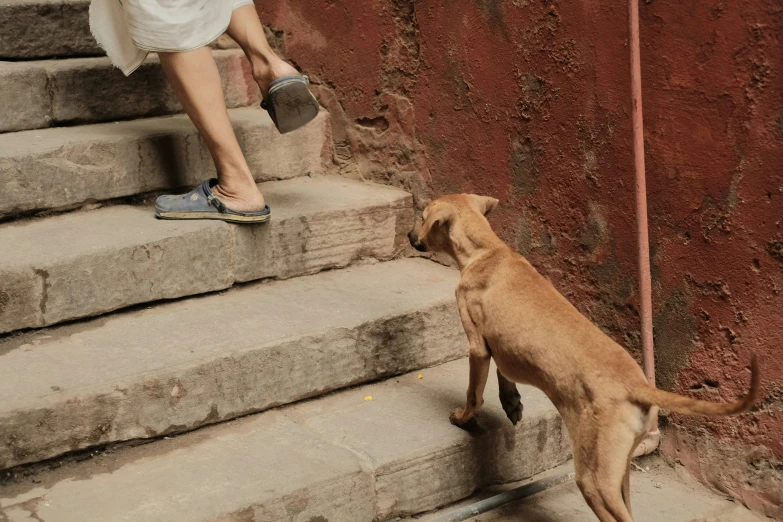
(441, 220)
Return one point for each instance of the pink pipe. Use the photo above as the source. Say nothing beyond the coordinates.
(645, 293)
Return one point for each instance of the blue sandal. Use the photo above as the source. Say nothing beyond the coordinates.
(200, 203)
(290, 103)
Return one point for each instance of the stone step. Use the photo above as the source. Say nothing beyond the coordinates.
(45, 29)
(61, 168)
(40, 29)
(182, 365)
(341, 458)
(88, 263)
(41, 94)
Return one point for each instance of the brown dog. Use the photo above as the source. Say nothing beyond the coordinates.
(512, 313)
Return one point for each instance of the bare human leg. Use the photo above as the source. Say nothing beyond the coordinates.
(195, 79)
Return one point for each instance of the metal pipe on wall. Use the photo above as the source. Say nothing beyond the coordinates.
(645, 293)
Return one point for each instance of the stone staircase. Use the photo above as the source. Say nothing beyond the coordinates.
(156, 370)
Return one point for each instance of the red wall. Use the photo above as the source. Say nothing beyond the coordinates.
(528, 101)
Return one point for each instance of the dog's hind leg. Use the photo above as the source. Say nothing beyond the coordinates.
(604, 497)
(595, 503)
(585, 481)
(612, 481)
(585, 466)
(601, 462)
(647, 418)
(510, 399)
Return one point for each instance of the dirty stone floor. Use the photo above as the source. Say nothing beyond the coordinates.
(659, 493)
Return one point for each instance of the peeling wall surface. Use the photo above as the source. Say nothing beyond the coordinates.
(529, 101)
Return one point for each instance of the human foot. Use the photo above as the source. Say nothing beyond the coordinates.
(240, 199)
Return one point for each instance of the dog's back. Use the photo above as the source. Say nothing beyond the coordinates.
(538, 337)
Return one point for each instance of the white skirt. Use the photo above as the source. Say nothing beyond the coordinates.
(129, 29)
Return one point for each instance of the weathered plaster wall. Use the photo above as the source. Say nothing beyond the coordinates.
(528, 100)
(714, 78)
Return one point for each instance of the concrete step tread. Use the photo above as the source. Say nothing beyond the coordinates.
(340, 457)
(63, 167)
(88, 90)
(86, 263)
(79, 233)
(65, 362)
(180, 365)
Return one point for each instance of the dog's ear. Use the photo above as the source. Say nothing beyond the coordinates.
(483, 204)
(441, 215)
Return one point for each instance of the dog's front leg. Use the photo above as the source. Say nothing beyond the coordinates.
(479, 366)
(510, 399)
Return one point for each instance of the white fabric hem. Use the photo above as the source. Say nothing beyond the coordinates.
(110, 29)
(193, 47)
(135, 64)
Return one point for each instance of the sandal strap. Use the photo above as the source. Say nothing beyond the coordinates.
(215, 202)
(211, 199)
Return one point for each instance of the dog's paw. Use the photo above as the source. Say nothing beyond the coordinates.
(510, 400)
(513, 411)
(457, 420)
(456, 417)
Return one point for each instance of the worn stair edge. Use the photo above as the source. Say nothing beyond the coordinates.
(88, 263)
(182, 365)
(90, 90)
(60, 168)
(340, 457)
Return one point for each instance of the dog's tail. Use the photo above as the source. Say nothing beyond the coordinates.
(650, 396)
